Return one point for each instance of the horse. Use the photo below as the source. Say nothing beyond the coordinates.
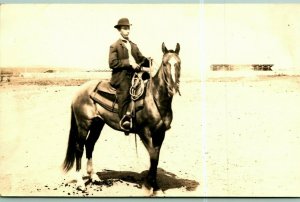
(151, 122)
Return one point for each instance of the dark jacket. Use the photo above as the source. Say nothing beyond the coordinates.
(119, 61)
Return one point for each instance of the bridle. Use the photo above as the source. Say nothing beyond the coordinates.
(166, 79)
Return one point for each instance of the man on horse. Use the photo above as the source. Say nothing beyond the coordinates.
(124, 59)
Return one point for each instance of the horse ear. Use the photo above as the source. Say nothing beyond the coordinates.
(164, 48)
(177, 48)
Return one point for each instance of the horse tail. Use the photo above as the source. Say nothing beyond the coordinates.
(70, 155)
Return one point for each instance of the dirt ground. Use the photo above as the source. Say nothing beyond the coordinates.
(229, 137)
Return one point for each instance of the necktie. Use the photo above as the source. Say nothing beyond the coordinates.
(128, 46)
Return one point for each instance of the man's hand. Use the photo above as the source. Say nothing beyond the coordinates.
(134, 65)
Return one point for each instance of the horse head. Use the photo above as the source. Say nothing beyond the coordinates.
(171, 68)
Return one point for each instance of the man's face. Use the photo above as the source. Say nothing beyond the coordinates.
(124, 31)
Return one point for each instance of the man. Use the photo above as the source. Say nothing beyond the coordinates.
(124, 59)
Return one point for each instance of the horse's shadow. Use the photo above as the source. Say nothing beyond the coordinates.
(165, 180)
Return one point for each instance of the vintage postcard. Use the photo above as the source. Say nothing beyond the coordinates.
(139, 100)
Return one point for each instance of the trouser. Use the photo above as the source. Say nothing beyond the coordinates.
(123, 95)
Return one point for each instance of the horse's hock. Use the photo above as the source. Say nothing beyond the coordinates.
(232, 67)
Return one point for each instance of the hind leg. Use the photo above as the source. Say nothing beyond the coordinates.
(94, 134)
(80, 141)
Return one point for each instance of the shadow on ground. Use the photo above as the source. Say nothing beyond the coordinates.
(165, 180)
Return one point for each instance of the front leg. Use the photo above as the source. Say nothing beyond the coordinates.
(153, 142)
(151, 177)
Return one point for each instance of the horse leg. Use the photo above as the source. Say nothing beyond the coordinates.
(154, 158)
(153, 144)
(80, 141)
(95, 131)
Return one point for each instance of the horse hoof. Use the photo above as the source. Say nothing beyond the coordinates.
(148, 190)
(95, 178)
(159, 192)
(81, 187)
(145, 188)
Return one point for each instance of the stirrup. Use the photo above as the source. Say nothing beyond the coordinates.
(122, 122)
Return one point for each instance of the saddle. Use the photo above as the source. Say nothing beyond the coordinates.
(105, 95)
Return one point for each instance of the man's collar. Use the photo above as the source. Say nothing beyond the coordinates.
(123, 39)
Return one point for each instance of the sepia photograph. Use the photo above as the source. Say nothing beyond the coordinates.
(149, 100)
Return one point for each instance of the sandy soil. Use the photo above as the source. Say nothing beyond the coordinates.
(229, 137)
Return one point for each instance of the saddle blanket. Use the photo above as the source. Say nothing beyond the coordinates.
(105, 95)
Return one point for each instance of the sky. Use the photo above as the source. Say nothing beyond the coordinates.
(253, 34)
(79, 35)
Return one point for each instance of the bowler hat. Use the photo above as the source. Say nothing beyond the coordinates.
(122, 22)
